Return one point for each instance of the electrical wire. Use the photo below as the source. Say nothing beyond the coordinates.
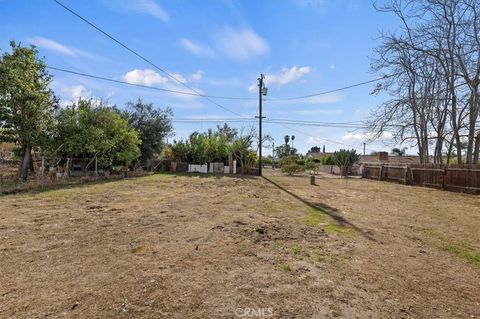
(323, 139)
(142, 57)
(327, 92)
(145, 86)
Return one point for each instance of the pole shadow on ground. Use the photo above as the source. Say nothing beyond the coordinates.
(325, 209)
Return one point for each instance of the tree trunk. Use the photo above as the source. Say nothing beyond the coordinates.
(477, 149)
(25, 163)
(31, 166)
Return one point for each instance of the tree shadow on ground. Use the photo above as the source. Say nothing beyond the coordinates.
(325, 209)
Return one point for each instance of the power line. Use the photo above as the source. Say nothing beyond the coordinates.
(98, 77)
(321, 138)
(142, 57)
(273, 121)
(144, 86)
(313, 123)
(328, 92)
(208, 97)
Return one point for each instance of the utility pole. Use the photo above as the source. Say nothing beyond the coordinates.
(273, 155)
(262, 90)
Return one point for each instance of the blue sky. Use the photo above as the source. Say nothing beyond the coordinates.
(219, 47)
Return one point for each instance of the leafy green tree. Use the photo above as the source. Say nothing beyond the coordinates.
(201, 148)
(315, 149)
(344, 159)
(228, 132)
(285, 150)
(312, 164)
(86, 129)
(290, 165)
(267, 160)
(152, 124)
(399, 151)
(327, 160)
(26, 102)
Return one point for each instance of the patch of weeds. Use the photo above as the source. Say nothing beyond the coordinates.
(57, 193)
(333, 258)
(317, 218)
(279, 244)
(295, 249)
(314, 217)
(137, 250)
(335, 229)
(286, 267)
(465, 251)
(458, 248)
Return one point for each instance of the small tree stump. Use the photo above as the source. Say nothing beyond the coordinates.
(312, 179)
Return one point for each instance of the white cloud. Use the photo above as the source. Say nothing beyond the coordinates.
(152, 8)
(149, 77)
(316, 5)
(197, 76)
(52, 45)
(57, 47)
(363, 137)
(241, 44)
(178, 77)
(188, 105)
(196, 48)
(79, 91)
(315, 140)
(145, 77)
(71, 94)
(285, 76)
(253, 87)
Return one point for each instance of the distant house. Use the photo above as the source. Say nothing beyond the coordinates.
(384, 157)
(380, 157)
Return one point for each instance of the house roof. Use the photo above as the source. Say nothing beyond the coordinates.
(408, 159)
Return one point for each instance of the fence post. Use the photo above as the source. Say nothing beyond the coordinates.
(42, 170)
(381, 173)
(405, 176)
(444, 176)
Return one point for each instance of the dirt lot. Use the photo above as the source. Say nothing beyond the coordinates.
(167, 246)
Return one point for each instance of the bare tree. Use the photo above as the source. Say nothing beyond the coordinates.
(432, 69)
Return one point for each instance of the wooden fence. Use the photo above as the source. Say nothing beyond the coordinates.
(458, 178)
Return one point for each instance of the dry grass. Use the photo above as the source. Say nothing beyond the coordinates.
(168, 246)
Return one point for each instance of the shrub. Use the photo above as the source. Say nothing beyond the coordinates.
(290, 165)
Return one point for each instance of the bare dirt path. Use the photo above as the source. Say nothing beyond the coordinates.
(168, 246)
